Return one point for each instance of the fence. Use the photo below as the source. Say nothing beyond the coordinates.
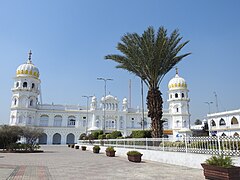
(229, 146)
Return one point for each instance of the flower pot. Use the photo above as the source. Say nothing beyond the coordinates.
(83, 148)
(96, 150)
(135, 158)
(110, 153)
(72, 145)
(221, 173)
(76, 147)
(69, 145)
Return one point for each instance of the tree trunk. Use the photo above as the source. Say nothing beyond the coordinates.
(154, 104)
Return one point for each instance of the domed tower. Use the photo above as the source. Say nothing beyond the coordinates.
(178, 104)
(25, 94)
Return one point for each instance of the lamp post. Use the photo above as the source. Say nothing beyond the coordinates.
(105, 93)
(87, 97)
(209, 109)
(142, 105)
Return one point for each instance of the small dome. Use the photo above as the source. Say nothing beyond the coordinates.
(27, 69)
(125, 101)
(177, 83)
(94, 99)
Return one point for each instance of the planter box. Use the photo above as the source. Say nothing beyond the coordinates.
(84, 148)
(135, 158)
(96, 150)
(76, 147)
(110, 153)
(221, 173)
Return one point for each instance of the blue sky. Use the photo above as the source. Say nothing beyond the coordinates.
(69, 40)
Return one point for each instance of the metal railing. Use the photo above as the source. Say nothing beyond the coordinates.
(229, 146)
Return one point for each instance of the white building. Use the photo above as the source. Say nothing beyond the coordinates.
(64, 123)
(224, 123)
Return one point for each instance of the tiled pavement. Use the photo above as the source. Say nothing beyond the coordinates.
(63, 163)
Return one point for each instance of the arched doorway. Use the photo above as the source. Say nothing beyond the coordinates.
(42, 139)
(70, 138)
(56, 138)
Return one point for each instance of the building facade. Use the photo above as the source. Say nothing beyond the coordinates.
(64, 123)
(224, 123)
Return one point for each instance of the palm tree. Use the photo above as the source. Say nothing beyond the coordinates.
(150, 57)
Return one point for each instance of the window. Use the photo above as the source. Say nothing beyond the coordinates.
(57, 121)
(97, 123)
(29, 120)
(25, 84)
(84, 117)
(213, 123)
(31, 102)
(132, 118)
(182, 95)
(176, 95)
(133, 124)
(44, 120)
(15, 101)
(177, 110)
(177, 123)
(71, 121)
(222, 122)
(170, 96)
(113, 124)
(234, 121)
(17, 84)
(84, 123)
(121, 124)
(20, 119)
(33, 85)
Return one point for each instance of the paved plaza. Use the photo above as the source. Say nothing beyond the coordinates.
(61, 162)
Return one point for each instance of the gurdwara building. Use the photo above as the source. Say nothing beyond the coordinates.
(64, 123)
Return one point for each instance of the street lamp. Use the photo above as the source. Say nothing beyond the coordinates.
(105, 94)
(142, 104)
(209, 109)
(87, 110)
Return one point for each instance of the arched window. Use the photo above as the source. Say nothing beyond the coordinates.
(15, 101)
(222, 122)
(176, 95)
(71, 120)
(213, 123)
(177, 123)
(223, 134)
(17, 84)
(182, 95)
(25, 84)
(57, 121)
(234, 121)
(177, 110)
(133, 123)
(97, 123)
(121, 124)
(113, 124)
(170, 96)
(31, 102)
(33, 85)
(235, 134)
(44, 120)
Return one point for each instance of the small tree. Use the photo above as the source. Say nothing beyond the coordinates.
(31, 135)
(116, 134)
(198, 122)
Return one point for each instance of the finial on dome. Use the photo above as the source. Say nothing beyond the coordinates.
(176, 70)
(29, 57)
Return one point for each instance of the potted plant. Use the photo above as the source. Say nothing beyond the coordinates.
(76, 146)
(72, 145)
(220, 167)
(134, 156)
(69, 145)
(83, 148)
(110, 151)
(96, 149)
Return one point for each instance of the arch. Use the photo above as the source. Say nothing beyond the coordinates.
(222, 122)
(25, 84)
(183, 95)
(70, 138)
(56, 138)
(234, 120)
(12, 118)
(17, 84)
(71, 120)
(15, 101)
(170, 96)
(213, 123)
(31, 102)
(176, 95)
(33, 85)
(223, 134)
(43, 139)
(57, 121)
(44, 120)
(235, 134)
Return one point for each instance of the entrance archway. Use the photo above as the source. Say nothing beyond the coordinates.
(56, 138)
(70, 138)
(43, 139)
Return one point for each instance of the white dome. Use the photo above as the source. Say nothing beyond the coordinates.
(27, 69)
(94, 99)
(177, 83)
(125, 101)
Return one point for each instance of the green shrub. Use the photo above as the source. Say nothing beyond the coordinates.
(220, 161)
(96, 147)
(132, 153)
(82, 136)
(102, 136)
(141, 134)
(108, 136)
(110, 148)
(116, 134)
(95, 134)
